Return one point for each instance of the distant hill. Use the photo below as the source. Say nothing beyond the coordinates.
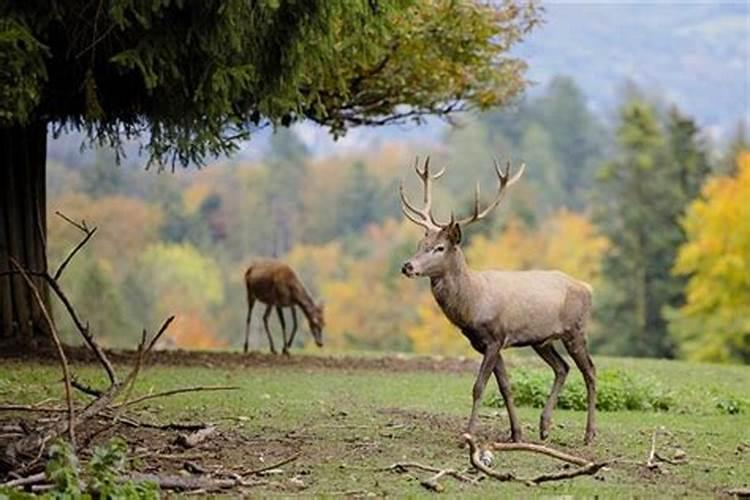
(696, 55)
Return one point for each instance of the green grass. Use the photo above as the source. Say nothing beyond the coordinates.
(350, 423)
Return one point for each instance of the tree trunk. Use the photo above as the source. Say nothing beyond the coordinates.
(23, 232)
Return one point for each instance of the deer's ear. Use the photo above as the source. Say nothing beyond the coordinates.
(454, 233)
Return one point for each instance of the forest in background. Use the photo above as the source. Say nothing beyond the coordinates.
(638, 208)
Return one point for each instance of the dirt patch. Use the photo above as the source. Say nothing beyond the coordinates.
(212, 359)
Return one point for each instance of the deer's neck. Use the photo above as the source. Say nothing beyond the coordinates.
(455, 290)
(305, 302)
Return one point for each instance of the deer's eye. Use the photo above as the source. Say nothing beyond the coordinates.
(438, 249)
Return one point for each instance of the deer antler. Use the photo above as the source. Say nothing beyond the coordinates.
(424, 216)
(505, 180)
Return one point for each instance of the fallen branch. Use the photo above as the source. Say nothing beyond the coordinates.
(25, 481)
(651, 460)
(586, 467)
(58, 345)
(474, 458)
(585, 470)
(431, 483)
(169, 482)
(172, 392)
(272, 466)
(31, 408)
(544, 450)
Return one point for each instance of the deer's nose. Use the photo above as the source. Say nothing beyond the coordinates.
(407, 268)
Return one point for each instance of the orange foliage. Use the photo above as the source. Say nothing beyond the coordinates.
(189, 330)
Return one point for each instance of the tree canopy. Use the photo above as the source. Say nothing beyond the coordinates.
(194, 78)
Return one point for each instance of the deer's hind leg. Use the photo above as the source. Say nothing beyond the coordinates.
(280, 312)
(250, 304)
(560, 367)
(265, 325)
(576, 347)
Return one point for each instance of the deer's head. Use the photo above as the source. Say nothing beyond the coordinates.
(317, 322)
(436, 252)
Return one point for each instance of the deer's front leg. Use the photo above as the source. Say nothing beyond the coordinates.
(285, 347)
(294, 327)
(485, 370)
(504, 384)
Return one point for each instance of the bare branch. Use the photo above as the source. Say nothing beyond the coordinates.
(544, 450)
(272, 466)
(72, 253)
(172, 392)
(58, 345)
(474, 458)
(81, 226)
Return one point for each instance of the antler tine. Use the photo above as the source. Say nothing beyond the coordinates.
(424, 216)
(504, 180)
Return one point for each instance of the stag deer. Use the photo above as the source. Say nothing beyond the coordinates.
(499, 309)
(277, 285)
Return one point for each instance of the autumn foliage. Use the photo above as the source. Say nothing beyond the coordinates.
(714, 324)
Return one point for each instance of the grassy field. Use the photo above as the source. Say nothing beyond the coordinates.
(350, 423)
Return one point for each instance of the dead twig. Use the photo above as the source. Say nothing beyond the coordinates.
(85, 388)
(544, 450)
(32, 408)
(586, 467)
(172, 392)
(69, 257)
(474, 458)
(168, 482)
(25, 481)
(651, 460)
(585, 470)
(431, 483)
(276, 465)
(58, 345)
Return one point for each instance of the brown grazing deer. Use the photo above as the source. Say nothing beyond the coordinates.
(277, 285)
(500, 309)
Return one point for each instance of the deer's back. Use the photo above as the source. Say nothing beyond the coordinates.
(529, 306)
(272, 282)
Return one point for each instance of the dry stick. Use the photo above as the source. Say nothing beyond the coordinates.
(81, 226)
(585, 470)
(650, 462)
(430, 483)
(23, 481)
(172, 392)
(272, 466)
(43, 409)
(58, 345)
(69, 257)
(161, 331)
(538, 448)
(190, 483)
(475, 460)
(85, 388)
(84, 330)
(585, 467)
